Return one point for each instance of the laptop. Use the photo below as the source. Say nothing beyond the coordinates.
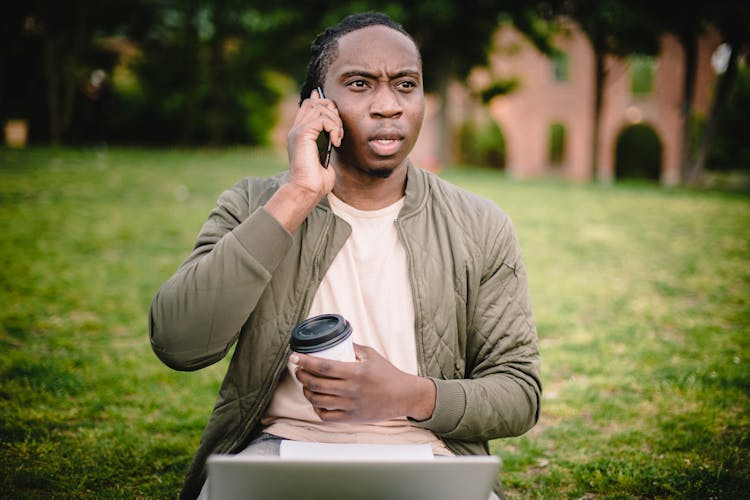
(253, 477)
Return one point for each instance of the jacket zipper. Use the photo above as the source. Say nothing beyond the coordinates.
(417, 315)
(280, 362)
(414, 297)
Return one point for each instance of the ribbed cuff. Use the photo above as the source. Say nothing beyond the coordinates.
(450, 406)
(264, 238)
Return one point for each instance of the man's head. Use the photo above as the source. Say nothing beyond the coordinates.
(372, 70)
(324, 48)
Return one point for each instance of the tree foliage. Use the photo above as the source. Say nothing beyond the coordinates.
(49, 53)
(211, 71)
(199, 71)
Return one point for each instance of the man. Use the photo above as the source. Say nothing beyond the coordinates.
(429, 276)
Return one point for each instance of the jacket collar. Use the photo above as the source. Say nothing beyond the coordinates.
(417, 187)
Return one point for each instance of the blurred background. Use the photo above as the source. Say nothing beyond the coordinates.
(613, 133)
(579, 89)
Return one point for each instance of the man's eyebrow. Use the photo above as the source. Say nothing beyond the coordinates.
(373, 76)
(407, 72)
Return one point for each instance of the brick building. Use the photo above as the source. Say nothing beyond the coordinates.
(554, 102)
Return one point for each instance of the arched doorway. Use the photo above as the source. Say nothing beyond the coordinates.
(482, 143)
(638, 153)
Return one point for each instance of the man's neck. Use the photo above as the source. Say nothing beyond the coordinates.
(366, 192)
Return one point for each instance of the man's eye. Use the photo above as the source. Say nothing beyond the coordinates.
(358, 84)
(407, 85)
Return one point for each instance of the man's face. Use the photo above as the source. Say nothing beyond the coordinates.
(376, 83)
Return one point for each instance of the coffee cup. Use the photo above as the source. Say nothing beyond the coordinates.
(325, 336)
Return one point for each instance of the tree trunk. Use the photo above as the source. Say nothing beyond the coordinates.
(4, 104)
(689, 41)
(218, 79)
(191, 63)
(61, 61)
(599, 78)
(51, 66)
(51, 62)
(723, 88)
(70, 69)
(445, 146)
(217, 100)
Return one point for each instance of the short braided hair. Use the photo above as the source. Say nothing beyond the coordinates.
(324, 48)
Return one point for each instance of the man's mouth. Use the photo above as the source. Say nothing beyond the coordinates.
(386, 144)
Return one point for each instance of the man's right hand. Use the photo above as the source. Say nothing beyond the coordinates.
(314, 117)
(308, 180)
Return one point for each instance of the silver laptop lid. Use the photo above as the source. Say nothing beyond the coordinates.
(233, 477)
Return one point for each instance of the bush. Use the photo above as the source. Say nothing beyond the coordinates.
(731, 149)
(482, 144)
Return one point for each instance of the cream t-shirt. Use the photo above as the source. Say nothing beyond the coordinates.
(372, 270)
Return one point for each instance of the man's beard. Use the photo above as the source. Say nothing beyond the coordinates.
(379, 173)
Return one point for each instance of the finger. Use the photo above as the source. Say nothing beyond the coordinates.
(327, 401)
(333, 125)
(319, 385)
(315, 95)
(316, 110)
(315, 100)
(363, 352)
(337, 135)
(317, 120)
(324, 367)
(317, 107)
(332, 415)
(360, 350)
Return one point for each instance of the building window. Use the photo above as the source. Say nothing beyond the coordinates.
(560, 66)
(556, 144)
(642, 75)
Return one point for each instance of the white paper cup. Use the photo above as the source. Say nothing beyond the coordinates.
(325, 336)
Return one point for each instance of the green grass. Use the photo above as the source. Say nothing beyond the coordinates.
(640, 294)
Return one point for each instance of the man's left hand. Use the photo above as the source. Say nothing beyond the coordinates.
(370, 389)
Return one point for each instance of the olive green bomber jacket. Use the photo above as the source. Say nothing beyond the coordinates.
(249, 281)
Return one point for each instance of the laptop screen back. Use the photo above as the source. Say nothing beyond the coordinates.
(274, 478)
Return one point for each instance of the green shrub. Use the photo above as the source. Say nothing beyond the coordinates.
(482, 144)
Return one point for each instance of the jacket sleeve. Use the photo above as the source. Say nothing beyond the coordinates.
(196, 315)
(500, 396)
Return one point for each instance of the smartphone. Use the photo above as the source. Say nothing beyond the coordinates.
(325, 146)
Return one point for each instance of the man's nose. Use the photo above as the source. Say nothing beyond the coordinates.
(385, 102)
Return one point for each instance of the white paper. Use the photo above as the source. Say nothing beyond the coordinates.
(304, 450)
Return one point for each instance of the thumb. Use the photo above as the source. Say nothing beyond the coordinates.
(362, 352)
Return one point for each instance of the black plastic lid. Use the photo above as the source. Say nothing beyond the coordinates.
(320, 333)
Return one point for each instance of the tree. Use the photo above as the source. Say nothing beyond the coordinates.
(63, 36)
(614, 28)
(731, 149)
(732, 19)
(202, 74)
(687, 25)
(205, 66)
(19, 72)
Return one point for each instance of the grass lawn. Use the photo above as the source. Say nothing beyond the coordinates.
(640, 293)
